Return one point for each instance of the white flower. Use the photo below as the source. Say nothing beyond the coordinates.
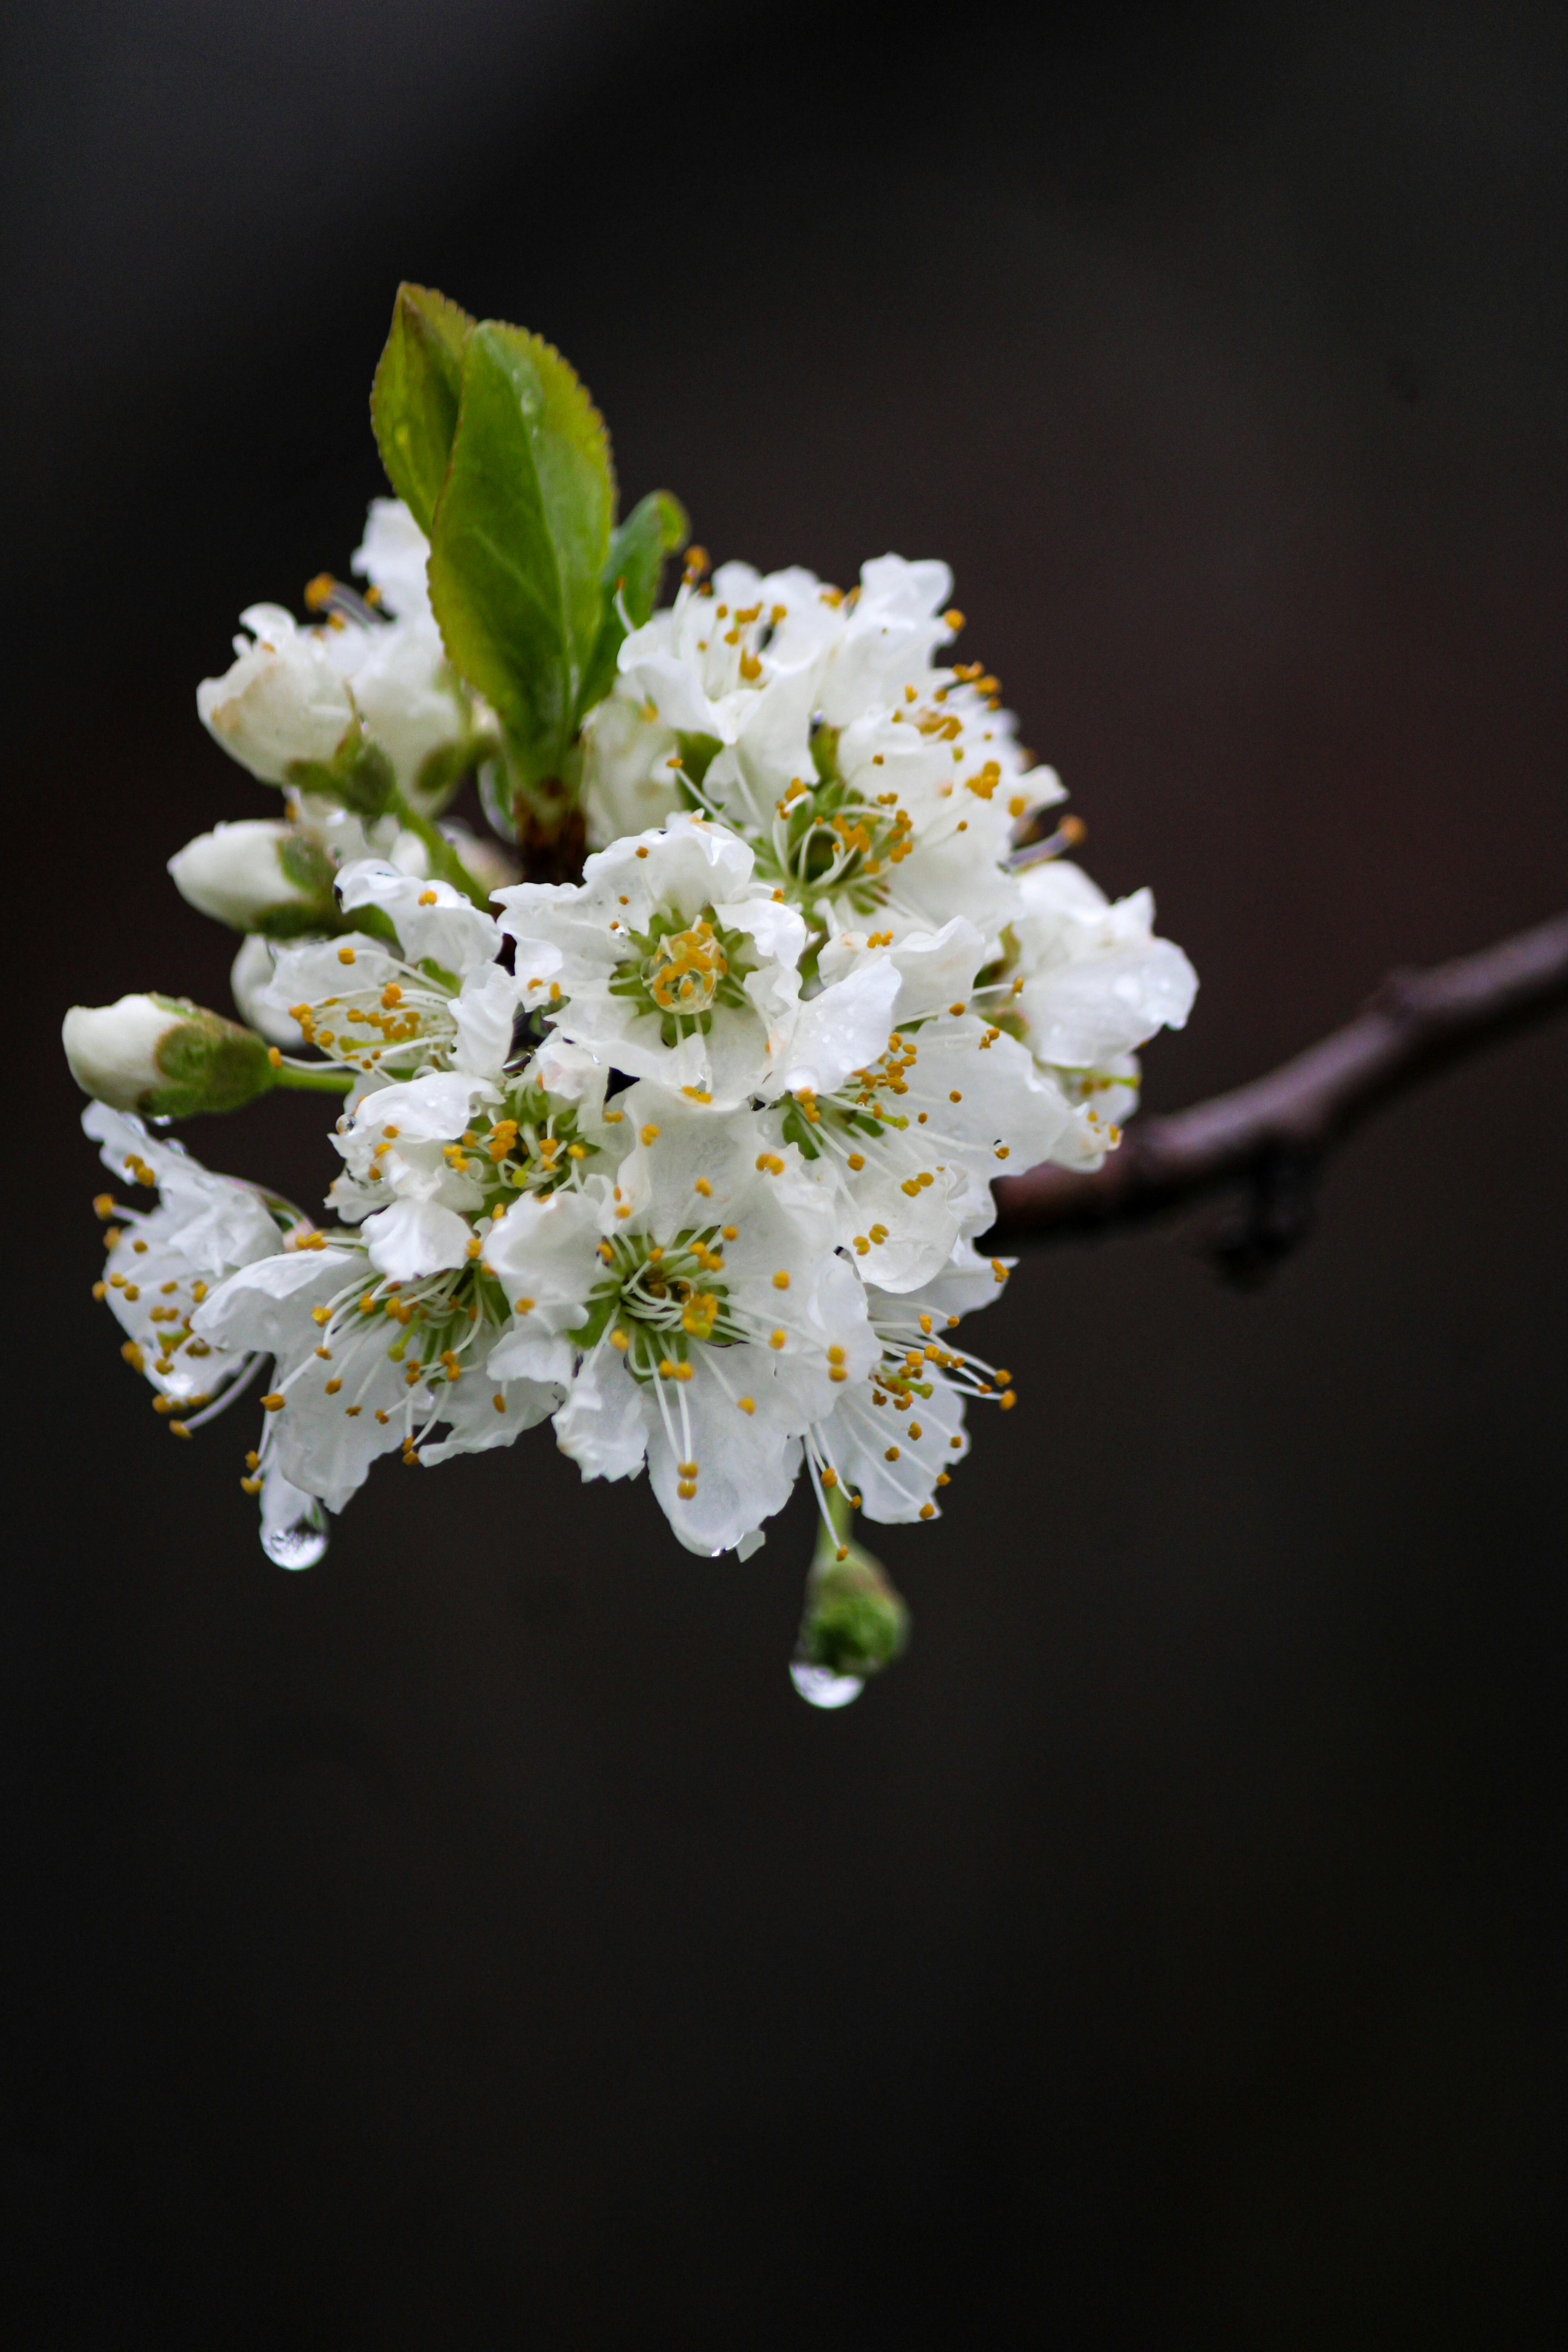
(258, 875)
(1096, 982)
(296, 694)
(250, 976)
(393, 556)
(895, 1437)
(908, 1147)
(364, 1364)
(629, 782)
(668, 962)
(407, 698)
(1086, 984)
(435, 998)
(714, 1319)
(164, 1260)
(283, 700)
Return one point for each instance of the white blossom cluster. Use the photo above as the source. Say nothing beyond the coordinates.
(691, 1158)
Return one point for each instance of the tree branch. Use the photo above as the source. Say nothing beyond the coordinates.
(1269, 1138)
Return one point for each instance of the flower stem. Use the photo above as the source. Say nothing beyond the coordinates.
(321, 1082)
(841, 1513)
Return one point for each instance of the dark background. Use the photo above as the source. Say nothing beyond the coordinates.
(474, 1940)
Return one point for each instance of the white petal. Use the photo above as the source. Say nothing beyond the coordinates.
(413, 1238)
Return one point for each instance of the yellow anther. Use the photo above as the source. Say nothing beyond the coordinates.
(1007, 1400)
(620, 1339)
(522, 1307)
(332, 1387)
(781, 1280)
(319, 1314)
(928, 1510)
(474, 1247)
(730, 1232)
(275, 1402)
(769, 1163)
(649, 1134)
(891, 1455)
(345, 955)
(747, 1404)
(776, 1339)
(427, 898)
(914, 1429)
(703, 1186)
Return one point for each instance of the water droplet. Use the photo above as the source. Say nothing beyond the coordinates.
(821, 1687)
(294, 1526)
(153, 1119)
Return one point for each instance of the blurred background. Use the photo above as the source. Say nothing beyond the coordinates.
(474, 1940)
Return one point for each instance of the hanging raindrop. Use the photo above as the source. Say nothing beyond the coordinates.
(820, 1686)
(294, 1527)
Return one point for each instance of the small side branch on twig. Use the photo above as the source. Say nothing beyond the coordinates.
(1268, 1140)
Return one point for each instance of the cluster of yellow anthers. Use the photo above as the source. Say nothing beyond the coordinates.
(396, 1020)
(933, 719)
(862, 839)
(173, 1314)
(519, 1155)
(437, 1303)
(683, 974)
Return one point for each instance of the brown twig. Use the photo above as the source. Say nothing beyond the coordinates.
(1269, 1138)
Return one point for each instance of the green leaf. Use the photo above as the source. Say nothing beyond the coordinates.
(518, 540)
(655, 528)
(414, 399)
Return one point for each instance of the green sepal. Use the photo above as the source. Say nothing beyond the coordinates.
(359, 776)
(797, 1131)
(442, 770)
(602, 1309)
(656, 528)
(414, 399)
(306, 866)
(208, 1064)
(853, 1621)
(518, 540)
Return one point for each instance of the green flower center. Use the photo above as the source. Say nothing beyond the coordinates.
(658, 1302)
(678, 971)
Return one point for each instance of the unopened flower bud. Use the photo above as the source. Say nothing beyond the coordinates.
(855, 1623)
(260, 875)
(165, 1057)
